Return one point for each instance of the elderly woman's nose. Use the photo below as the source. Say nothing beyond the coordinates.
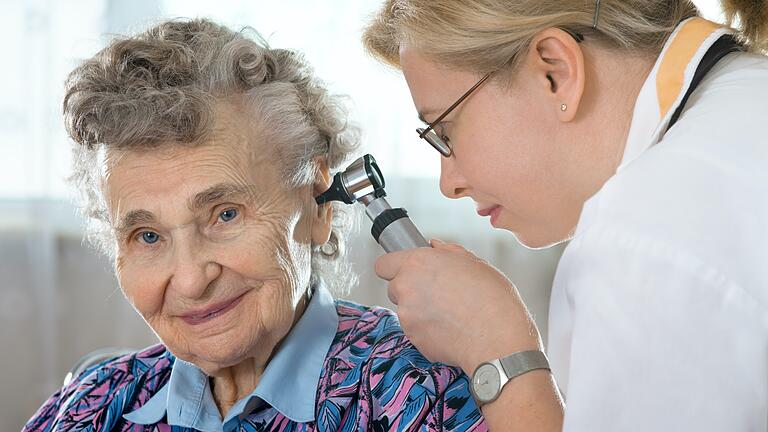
(452, 184)
(193, 269)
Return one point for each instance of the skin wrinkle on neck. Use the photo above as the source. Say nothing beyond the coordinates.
(236, 382)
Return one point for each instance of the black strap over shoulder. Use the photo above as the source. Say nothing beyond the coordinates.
(722, 47)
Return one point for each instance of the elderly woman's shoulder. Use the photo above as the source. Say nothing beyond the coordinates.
(114, 385)
(375, 332)
(395, 383)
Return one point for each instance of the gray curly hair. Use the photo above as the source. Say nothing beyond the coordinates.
(162, 86)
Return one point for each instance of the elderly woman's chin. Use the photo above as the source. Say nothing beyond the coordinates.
(211, 353)
(214, 354)
(246, 328)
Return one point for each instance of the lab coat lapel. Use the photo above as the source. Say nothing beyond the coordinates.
(667, 84)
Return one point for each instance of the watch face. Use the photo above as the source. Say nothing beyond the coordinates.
(486, 382)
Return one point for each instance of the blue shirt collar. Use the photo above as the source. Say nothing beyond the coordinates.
(289, 383)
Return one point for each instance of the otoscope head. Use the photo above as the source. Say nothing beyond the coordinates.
(362, 181)
(362, 178)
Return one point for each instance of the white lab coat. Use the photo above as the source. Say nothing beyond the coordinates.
(659, 310)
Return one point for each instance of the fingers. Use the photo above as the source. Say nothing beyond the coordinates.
(406, 270)
(398, 287)
(441, 245)
(390, 266)
(387, 266)
(392, 294)
(436, 243)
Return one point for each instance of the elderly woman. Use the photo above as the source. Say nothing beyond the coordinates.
(199, 154)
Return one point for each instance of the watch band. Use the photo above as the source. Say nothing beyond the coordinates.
(525, 361)
(506, 369)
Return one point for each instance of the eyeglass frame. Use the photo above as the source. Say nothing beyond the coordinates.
(429, 135)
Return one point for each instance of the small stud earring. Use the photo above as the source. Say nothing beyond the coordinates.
(563, 107)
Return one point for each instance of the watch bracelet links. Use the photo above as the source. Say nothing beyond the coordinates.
(523, 362)
(512, 366)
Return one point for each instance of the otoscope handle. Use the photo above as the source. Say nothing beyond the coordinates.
(395, 231)
(392, 228)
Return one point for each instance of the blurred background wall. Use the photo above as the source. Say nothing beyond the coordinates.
(59, 300)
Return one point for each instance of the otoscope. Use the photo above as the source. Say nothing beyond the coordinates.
(363, 182)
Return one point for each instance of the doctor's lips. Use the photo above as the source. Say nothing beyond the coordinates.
(492, 211)
(211, 312)
(487, 211)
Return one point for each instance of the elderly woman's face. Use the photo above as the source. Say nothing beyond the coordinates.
(213, 249)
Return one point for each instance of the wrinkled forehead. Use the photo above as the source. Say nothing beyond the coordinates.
(233, 152)
(238, 131)
(235, 137)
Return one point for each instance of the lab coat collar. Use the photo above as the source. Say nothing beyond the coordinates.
(667, 84)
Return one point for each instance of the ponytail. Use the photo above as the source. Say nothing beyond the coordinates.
(752, 18)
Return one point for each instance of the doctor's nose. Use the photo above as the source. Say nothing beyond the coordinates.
(452, 184)
(193, 270)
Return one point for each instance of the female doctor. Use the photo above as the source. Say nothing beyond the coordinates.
(635, 129)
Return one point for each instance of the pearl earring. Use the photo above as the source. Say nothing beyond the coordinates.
(563, 107)
(328, 249)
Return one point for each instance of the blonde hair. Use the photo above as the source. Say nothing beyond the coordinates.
(161, 87)
(487, 35)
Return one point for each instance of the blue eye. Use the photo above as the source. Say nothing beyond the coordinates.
(228, 215)
(150, 237)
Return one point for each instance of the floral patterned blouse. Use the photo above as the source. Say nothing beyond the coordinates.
(372, 378)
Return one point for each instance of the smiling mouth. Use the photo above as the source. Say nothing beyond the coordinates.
(212, 313)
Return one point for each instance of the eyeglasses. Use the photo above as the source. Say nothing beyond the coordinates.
(440, 143)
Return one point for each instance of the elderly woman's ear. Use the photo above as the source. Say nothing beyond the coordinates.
(321, 226)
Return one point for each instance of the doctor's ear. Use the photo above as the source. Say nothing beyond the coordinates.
(557, 61)
(323, 216)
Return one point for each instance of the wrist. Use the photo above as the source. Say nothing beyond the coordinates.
(504, 329)
(530, 401)
(491, 378)
(497, 349)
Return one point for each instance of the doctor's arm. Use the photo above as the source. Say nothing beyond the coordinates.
(459, 310)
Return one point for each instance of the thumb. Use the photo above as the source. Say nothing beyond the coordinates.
(441, 245)
(387, 266)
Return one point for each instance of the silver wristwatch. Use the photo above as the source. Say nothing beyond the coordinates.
(490, 377)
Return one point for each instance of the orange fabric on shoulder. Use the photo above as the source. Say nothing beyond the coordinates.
(670, 78)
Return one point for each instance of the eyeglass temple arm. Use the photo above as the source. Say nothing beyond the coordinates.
(455, 104)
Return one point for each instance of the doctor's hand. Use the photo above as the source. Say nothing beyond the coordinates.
(456, 308)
